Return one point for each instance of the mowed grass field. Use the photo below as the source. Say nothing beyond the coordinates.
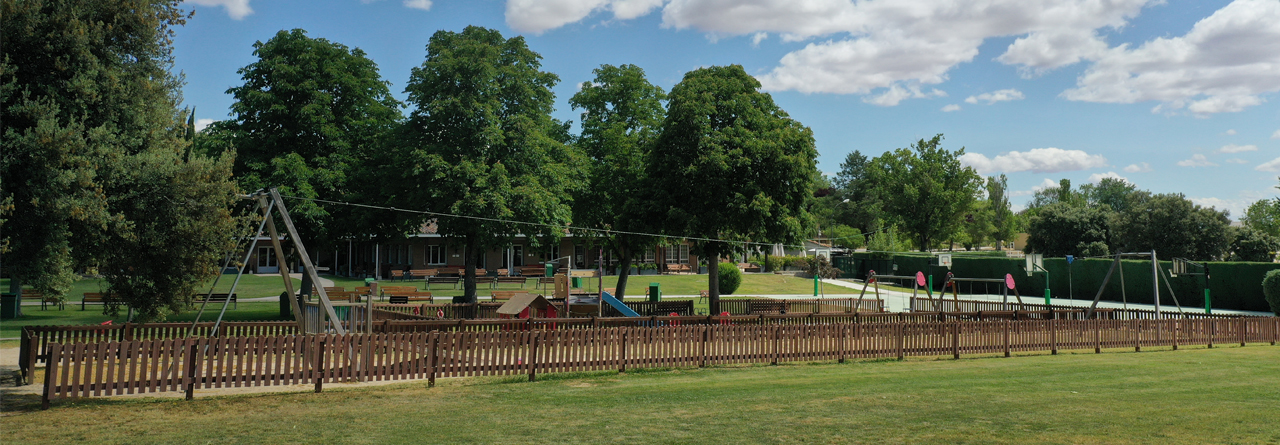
(1221, 395)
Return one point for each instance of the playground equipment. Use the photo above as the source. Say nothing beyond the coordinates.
(1036, 261)
(1155, 284)
(1182, 267)
(953, 281)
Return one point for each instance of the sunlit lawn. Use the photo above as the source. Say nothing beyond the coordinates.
(1192, 396)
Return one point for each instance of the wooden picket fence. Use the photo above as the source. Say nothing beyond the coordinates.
(954, 305)
(114, 367)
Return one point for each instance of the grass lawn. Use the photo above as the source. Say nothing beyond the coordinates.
(1223, 395)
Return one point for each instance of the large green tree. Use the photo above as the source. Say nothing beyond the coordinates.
(93, 171)
(1061, 228)
(1264, 216)
(1175, 227)
(621, 115)
(309, 119)
(859, 207)
(729, 167)
(481, 142)
(925, 189)
(1003, 221)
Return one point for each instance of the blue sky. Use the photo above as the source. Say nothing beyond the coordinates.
(1175, 96)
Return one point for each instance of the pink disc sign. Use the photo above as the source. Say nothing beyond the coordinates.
(1008, 281)
(920, 278)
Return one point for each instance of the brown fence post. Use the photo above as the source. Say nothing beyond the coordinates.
(191, 371)
(777, 333)
(434, 359)
(1053, 335)
(1137, 335)
(1177, 323)
(533, 356)
(1097, 336)
(318, 372)
(24, 357)
(50, 368)
(622, 353)
(1244, 329)
(706, 337)
(901, 338)
(1007, 325)
(955, 340)
(844, 332)
(1213, 330)
(128, 331)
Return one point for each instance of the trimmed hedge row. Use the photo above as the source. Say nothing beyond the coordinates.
(1232, 285)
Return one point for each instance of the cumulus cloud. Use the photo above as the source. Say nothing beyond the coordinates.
(1224, 64)
(1269, 166)
(758, 37)
(1231, 132)
(1233, 148)
(237, 9)
(1234, 206)
(536, 16)
(897, 93)
(1037, 160)
(1275, 135)
(1043, 51)
(424, 5)
(950, 108)
(1098, 177)
(997, 96)
(1044, 185)
(201, 123)
(1197, 160)
(1138, 168)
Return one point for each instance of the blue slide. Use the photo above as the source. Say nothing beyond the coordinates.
(613, 301)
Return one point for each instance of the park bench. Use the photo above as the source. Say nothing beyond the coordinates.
(451, 271)
(335, 289)
(384, 291)
(45, 301)
(363, 290)
(512, 280)
(106, 300)
(544, 281)
(421, 273)
(678, 268)
(491, 281)
(406, 297)
(397, 275)
(452, 281)
(532, 271)
(212, 298)
(748, 267)
(502, 294)
(768, 307)
(344, 297)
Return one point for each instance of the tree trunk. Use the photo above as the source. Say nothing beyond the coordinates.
(624, 270)
(765, 267)
(305, 289)
(15, 284)
(713, 281)
(469, 259)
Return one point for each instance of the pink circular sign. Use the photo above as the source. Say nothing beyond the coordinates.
(1008, 281)
(920, 278)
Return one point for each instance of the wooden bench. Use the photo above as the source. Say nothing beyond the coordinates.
(397, 274)
(678, 268)
(544, 281)
(106, 300)
(45, 301)
(452, 281)
(335, 289)
(503, 294)
(422, 273)
(451, 271)
(491, 281)
(364, 290)
(512, 280)
(768, 307)
(214, 298)
(748, 267)
(384, 291)
(406, 297)
(343, 297)
(532, 271)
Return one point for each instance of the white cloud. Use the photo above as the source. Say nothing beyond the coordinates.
(897, 93)
(1197, 160)
(1038, 160)
(1097, 177)
(536, 16)
(1224, 64)
(951, 107)
(1234, 206)
(1043, 51)
(758, 37)
(237, 9)
(1237, 161)
(1275, 135)
(201, 123)
(424, 5)
(1138, 168)
(1269, 166)
(1044, 185)
(1233, 148)
(1231, 132)
(997, 96)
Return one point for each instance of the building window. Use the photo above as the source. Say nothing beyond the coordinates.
(552, 253)
(435, 254)
(678, 254)
(648, 256)
(266, 257)
(517, 255)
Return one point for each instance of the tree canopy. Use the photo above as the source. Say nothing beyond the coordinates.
(925, 189)
(621, 116)
(308, 119)
(93, 155)
(730, 165)
(481, 142)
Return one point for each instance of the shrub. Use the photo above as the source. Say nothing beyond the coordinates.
(1271, 289)
(819, 266)
(730, 278)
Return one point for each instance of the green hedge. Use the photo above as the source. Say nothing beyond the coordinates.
(1233, 285)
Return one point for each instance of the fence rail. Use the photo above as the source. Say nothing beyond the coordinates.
(113, 367)
(951, 305)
